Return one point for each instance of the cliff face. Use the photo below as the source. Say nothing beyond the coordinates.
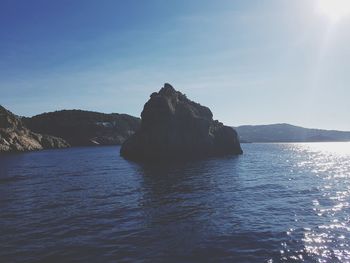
(16, 137)
(174, 127)
(85, 128)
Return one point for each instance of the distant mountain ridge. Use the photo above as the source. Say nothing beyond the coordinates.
(284, 132)
(66, 128)
(85, 128)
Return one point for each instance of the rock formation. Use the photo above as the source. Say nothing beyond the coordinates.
(85, 128)
(16, 137)
(174, 127)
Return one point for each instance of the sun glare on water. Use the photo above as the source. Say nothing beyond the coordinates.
(334, 9)
(339, 148)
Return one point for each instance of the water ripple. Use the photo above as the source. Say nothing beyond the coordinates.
(276, 203)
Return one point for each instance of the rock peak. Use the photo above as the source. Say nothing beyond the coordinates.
(3, 110)
(167, 90)
(168, 86)
(7, 118)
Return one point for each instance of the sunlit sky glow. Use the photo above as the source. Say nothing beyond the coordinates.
(251, 62)
(334, 9)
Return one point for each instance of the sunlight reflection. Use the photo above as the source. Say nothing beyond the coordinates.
(341, 148)
(327, 239)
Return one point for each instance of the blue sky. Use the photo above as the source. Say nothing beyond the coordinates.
(251, 62)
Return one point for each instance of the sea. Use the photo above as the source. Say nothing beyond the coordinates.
(278, 202)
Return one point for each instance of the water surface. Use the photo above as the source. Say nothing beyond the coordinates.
(275, 203)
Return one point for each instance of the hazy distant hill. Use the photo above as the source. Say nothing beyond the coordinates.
(288, 133)
(84, 128)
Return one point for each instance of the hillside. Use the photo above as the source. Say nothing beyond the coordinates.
(16, 137)
(288, 133)
(84, 128)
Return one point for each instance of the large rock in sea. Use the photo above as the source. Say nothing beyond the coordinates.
(16, 137)
(174, 127)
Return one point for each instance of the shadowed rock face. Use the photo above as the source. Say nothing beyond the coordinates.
(174, 127)
(15, 137)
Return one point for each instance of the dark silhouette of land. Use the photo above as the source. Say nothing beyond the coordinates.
(85, 128)
(67, 128)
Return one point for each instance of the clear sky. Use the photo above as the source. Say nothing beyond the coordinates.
(251, 62)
